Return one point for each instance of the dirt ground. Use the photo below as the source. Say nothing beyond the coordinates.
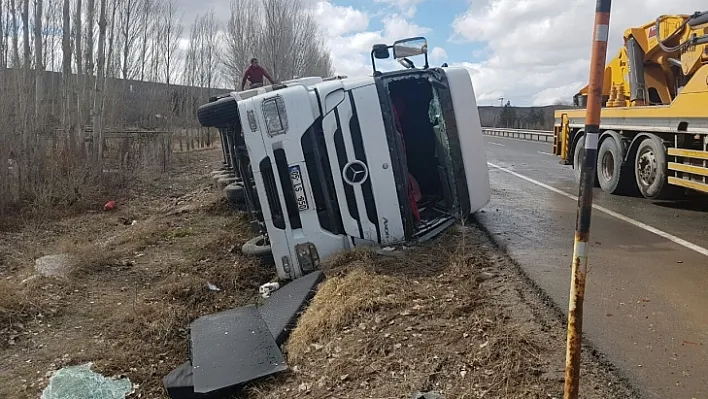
(454, 316)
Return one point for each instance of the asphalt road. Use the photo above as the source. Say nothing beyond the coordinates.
(646, 304)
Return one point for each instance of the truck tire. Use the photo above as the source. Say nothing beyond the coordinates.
(235, 194)
(223, 183)
(257, 247)
(220, 113)
(613, 176)
(650, 169)
(578, 158)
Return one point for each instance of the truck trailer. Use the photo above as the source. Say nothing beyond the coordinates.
(654, 121)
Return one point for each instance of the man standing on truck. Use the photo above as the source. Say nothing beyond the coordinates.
(255, 73)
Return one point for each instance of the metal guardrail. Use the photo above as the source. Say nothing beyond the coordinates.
(522, 134)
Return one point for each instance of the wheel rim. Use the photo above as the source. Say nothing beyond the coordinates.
(646, 167)
(608, 166)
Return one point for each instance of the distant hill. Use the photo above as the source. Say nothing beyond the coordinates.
(535, 118)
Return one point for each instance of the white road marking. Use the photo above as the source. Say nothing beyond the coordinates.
(499, 144)
(636, 223)
(546, 153)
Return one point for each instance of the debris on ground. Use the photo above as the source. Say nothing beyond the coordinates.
(427, 395)
(53, 265)
(110, 205)
(451, 316)
(232, 348)
(266, 289)
(80, 382)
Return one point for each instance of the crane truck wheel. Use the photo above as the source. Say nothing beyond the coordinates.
(650, 168)
(614, 177)
(578, 160)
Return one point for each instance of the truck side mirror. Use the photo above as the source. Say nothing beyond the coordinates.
(380, 51)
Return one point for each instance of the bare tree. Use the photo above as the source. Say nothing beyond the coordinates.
(171, 30)
(201, 58)
(97, 112)
(111, 65)
(25, 35)
(145, 13)
(129, 33)
(39, 67)
(282, 34)
(90, 19)
(15, 36)
(66, 73)
(3, 38)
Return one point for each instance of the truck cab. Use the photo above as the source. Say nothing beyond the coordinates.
(374, 161)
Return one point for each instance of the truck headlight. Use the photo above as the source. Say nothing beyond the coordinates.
(275, 116)
(307, 256)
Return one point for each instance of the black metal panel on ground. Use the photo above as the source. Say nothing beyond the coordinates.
(281, 309)
(179, 385)
(231, 348)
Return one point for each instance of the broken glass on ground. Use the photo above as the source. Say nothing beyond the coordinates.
(79, 382)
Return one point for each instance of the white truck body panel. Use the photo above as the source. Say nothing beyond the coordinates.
(471, 139)
(342, 106)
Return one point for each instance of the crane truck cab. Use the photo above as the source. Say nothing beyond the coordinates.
(373, 161)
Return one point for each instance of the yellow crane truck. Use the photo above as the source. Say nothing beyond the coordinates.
(654, 120)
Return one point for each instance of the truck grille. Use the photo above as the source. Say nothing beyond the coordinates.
(281, 163)
(360, 153)
(317, 162)
(348, 190)
(271, 190)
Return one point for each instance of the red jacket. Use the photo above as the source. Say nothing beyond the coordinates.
(255, 74)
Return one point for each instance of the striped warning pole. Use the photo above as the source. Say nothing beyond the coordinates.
(587, 180)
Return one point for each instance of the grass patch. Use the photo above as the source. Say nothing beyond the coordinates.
(341, 300)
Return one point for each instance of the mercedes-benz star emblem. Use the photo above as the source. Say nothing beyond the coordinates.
(355, 172)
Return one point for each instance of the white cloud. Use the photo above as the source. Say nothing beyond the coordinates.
(539, 49)
(438, 54)
(351, 53)
(338, 20)
(407, 7)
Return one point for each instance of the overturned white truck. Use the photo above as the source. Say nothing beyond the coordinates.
(329, 165)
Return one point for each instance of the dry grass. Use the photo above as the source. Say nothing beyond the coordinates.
(132, 290)
(387, 326)
(341, 300)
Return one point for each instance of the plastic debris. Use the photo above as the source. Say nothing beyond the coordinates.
(212, 287)
(268, 288)
(79, 382)
(110, 205)
(427, 395)
(53, 265)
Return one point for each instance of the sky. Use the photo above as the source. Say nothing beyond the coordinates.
(530, 52)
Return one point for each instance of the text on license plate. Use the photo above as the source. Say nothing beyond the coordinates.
(298, 188)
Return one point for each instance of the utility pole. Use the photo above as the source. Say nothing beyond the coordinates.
(587, 179)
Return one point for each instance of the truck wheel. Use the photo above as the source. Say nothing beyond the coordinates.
(220, 113)
(578, 159)
(256, 247)
(224, 182)
(613, 176)
(650, 168)
(235, 194)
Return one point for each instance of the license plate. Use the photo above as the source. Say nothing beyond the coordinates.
(298, 188)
